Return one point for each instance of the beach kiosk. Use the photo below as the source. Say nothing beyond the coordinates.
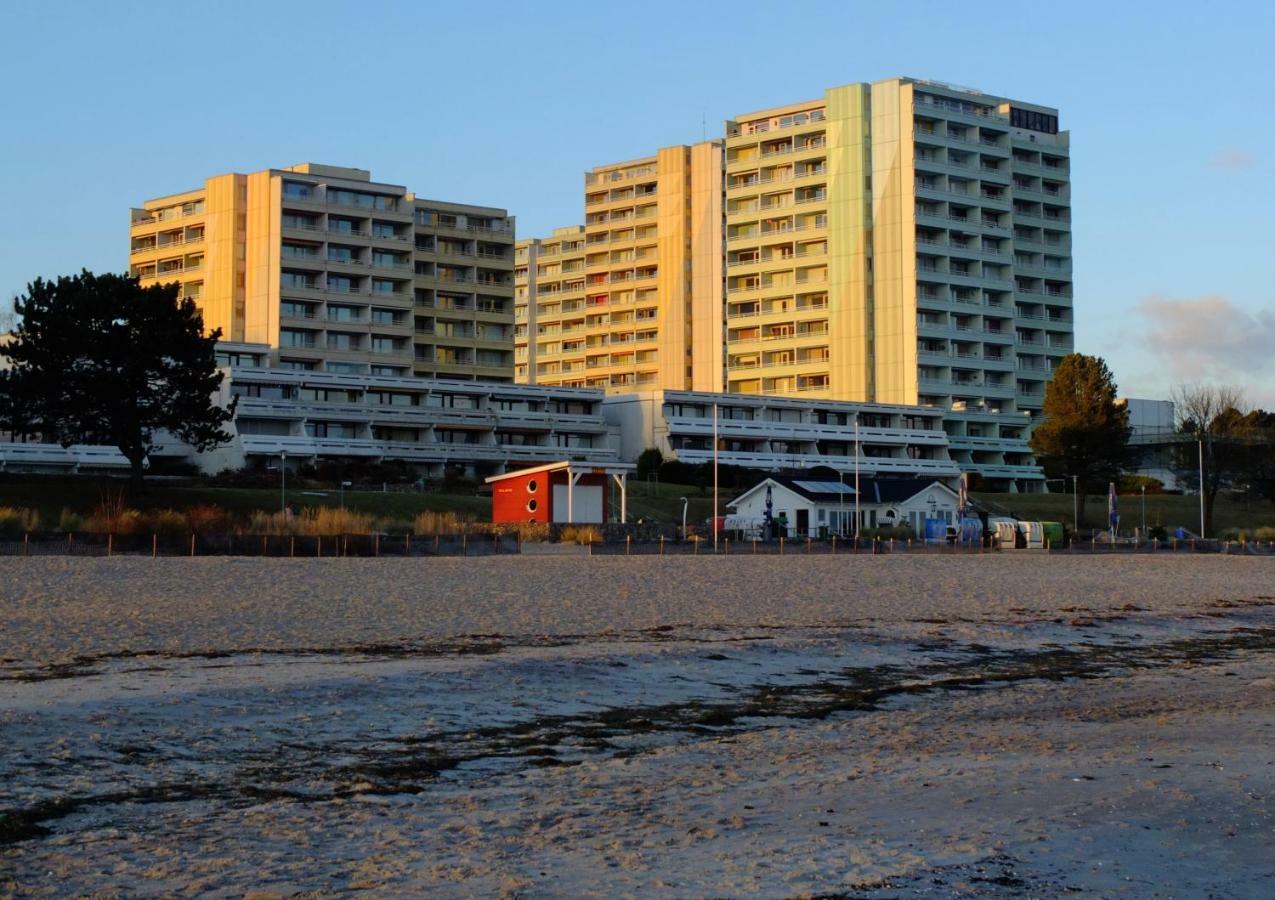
(566, 492)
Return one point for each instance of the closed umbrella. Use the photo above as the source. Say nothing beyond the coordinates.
(769, 517)
(1113, 514)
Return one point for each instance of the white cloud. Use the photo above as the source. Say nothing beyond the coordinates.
(1210, 339)
(1232, 159)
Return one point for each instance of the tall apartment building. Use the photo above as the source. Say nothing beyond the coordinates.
(337, 272)
(630, 300)
(902, 242)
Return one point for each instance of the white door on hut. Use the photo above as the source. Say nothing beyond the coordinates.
(587, 502)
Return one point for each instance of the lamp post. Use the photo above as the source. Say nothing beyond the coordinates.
(1075, 505)
(1144, 512)
(685, 503)
(344, 485)
(283, 482)
(1201, 443)
(856, 480)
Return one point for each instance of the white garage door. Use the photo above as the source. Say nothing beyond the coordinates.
(588, 504)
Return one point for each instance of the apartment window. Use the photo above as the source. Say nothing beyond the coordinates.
(342, 254)
(340, 341)
(295, 365)
(297, 190)
(1033, 121)
(384, 345)
(391, 371)
(295, 310)
(341, 284)
(384, 317)
(330, 429)
(382, 286)
(382, 230)
(344, 368)
(296, 280)
(291, 338)
(343, 313)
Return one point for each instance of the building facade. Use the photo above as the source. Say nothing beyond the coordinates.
(338, 272)
(631, 299)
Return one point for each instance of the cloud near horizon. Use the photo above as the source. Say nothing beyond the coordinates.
(1232, 159)
(1211, 339)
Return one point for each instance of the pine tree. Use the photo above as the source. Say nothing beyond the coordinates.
(98, 359)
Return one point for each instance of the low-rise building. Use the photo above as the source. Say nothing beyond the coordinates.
(430, 423)
(818, 507)
(777, 433)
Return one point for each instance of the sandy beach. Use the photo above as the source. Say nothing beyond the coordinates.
(990, 725)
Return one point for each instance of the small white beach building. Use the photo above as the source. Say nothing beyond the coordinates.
(817, 506)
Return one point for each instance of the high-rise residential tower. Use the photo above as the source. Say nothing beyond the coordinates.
(338, 272)
(630, 300)
(903, 242)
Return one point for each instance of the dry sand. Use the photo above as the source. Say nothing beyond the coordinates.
(940, 726)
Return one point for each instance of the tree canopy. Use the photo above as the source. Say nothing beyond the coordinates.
(99, 359)
(1233, 444)
(1085, 433)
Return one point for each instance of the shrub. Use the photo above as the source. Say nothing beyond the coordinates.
(16, 520)
(648, 463)
(70, 521)
(532, 532)
(205, 519)
(1265, 533)
(1235, 534)
(168, 522)
(579, 534)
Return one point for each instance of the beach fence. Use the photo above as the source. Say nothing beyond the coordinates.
(507, 543)
(262, 545)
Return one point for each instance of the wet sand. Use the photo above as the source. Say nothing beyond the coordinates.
(948, 726)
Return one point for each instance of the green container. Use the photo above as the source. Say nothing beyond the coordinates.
(1053, 534)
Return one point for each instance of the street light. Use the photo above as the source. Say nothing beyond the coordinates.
(283, 482)
(344, 485)
(685, 503)
(1144, 512)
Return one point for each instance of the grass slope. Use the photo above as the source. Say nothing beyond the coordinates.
(1169, 510)
(82, 495)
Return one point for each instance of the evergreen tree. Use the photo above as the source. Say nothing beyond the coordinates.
(98, 359)
(1085, 433)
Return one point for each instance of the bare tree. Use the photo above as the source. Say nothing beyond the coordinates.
(1217, 417)
(8, 318)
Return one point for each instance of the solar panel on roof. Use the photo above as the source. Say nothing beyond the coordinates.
(825, 487)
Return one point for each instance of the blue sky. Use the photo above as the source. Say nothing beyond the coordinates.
(1169, 106)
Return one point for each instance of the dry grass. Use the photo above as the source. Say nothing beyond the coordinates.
(444, 523)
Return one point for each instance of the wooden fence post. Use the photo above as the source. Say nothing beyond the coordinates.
(834, 545)
(154, 546)
(661, 545)
(292, 546)
(376, 545)
(781, 545)
(192, 543)
(26, 544)
(110, 543)
(807, 544)
(263, 545)
(628, 544)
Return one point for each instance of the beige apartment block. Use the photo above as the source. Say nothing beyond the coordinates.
(620, 302)
(338, 273)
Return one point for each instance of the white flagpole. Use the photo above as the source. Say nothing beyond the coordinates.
(714, 477)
